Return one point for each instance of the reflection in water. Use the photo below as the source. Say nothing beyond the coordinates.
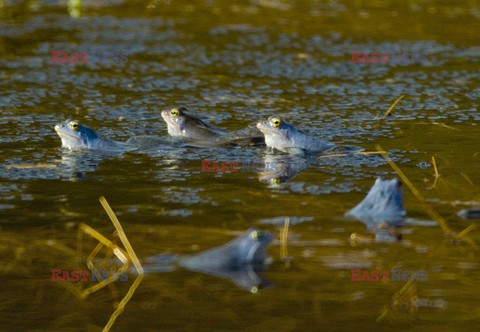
(278, 168)
(71, 165)
(76, 163)
(248, 276)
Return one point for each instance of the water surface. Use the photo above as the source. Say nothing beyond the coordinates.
(236, 64)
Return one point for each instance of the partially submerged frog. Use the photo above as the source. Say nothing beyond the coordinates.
(248, 248)
(382, 209)
(75, 135)
(469, 213)
(193, 130)
(283, 136)
(239, 260)
(183, 125)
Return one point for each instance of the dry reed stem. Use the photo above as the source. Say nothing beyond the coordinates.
(437, 176)
(465, 176)
(283, 239)
(429, 210)
(123, 303)
(121, 235)
(363, 153)
(392, 107)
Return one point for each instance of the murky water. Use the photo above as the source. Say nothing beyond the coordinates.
(235, 64)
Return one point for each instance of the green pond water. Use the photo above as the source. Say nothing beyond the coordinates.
(234, 64)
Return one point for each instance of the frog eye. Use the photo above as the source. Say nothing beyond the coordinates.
(174, 112)
(276, 122)
(74, 125)
(275, 181)
(257, 235)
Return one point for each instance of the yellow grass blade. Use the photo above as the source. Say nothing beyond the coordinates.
(29, 166)
(79, 250)
(430, 211)
(123, 256)
(444, 125)
(103, 241)
(392, 107)
(123, 303)
(104, 283)
(121, 235)
(93, 254)
(465, 176)
(283, 239)
(465, 231)
(95, 288)
(435, 167)
(436, 172)
(119, 252)
(363, 153)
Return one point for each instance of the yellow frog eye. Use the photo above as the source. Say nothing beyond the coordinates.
(74, 125)
(254, 235)
(276, 122)
(174, 112)
(275, 181)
